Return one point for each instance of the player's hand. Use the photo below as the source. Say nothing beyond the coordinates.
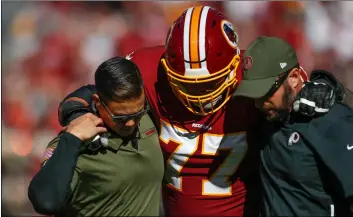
(86, 126)
(319, 95)
(314, 99)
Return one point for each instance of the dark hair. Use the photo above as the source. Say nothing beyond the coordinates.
(118, 79)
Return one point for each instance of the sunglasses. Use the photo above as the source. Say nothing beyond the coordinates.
(125, 118)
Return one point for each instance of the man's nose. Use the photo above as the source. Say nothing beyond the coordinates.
(130, 123)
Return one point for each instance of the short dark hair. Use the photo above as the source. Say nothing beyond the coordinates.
(118, 79)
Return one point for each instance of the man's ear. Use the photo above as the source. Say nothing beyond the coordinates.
(294, 78)
(96, 98)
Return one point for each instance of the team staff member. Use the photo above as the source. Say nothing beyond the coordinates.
(117, 174)
(306, 163)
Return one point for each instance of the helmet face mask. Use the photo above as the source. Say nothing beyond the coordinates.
(201, 59)
(204, 101)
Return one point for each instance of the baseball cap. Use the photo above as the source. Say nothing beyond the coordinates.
(263, 61)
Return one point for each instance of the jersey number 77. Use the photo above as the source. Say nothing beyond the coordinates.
(217, 183)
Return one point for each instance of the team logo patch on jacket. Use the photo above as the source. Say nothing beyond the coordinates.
(294, 138)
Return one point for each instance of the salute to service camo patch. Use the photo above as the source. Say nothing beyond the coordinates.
(49, 151)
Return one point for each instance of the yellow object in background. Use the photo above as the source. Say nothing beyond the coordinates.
(173, 9)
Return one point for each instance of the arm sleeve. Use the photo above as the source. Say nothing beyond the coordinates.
(333, 148)
(51, 187)
(72, 106)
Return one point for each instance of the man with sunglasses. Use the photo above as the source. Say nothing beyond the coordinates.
(307, 161)
(209, 166)
(108, 163)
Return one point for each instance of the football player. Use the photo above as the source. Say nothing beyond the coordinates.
(210, 152)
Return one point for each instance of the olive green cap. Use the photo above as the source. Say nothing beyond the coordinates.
(263, 61)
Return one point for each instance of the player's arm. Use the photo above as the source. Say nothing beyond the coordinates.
(76, 104)
(51, 188)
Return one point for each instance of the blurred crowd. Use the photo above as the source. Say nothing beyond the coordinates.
(52, 48)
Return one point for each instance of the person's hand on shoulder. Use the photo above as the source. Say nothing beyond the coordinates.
(86, 126)
(319, 94)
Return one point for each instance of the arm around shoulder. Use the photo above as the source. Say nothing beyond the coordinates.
(76, 104)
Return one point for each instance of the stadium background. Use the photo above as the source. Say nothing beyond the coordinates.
(52, 48)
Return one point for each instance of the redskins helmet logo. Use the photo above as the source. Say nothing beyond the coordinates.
(229, 33)
(247, 62)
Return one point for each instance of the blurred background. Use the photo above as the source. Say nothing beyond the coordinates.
(51, 48)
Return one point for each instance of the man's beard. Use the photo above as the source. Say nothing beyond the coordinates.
(283, 112)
